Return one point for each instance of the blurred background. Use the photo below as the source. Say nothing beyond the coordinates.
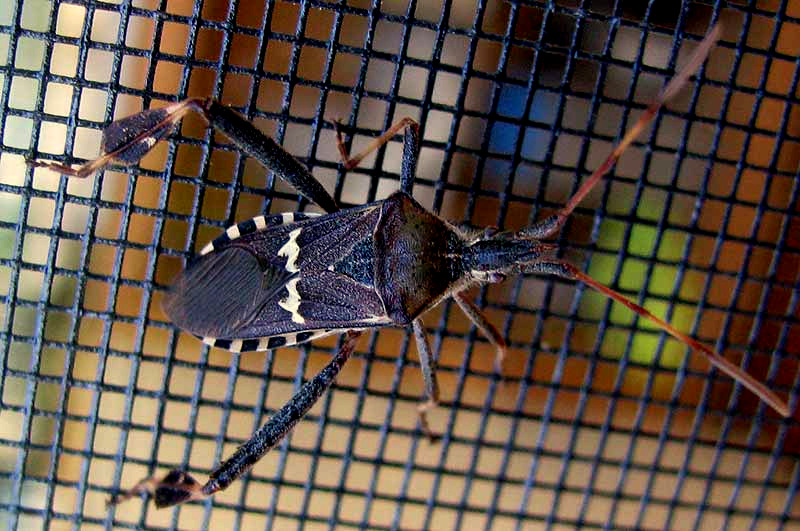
(600, 421)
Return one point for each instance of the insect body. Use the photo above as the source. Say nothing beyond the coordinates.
(288, 278)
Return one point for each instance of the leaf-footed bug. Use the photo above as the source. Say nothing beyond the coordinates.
(285, 279)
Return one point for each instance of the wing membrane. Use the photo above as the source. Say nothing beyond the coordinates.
(277, 281)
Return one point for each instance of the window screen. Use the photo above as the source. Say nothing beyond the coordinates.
(601, 420)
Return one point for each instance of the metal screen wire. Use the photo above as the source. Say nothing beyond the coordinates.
(602, 420)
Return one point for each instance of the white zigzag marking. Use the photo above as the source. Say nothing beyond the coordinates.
(292, 303)
(291, 250)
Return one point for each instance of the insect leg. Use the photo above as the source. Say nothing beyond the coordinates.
(179, 487)
(551, 225)
(263, 148)
(127, 140)
(427, 362)
(487, 329)
(410, 149)
(569, 271)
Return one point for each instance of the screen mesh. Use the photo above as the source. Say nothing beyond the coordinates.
(601, 420)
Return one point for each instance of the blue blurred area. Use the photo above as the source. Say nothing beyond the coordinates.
(504, 136)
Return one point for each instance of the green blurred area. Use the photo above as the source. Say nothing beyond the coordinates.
(631, 282)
